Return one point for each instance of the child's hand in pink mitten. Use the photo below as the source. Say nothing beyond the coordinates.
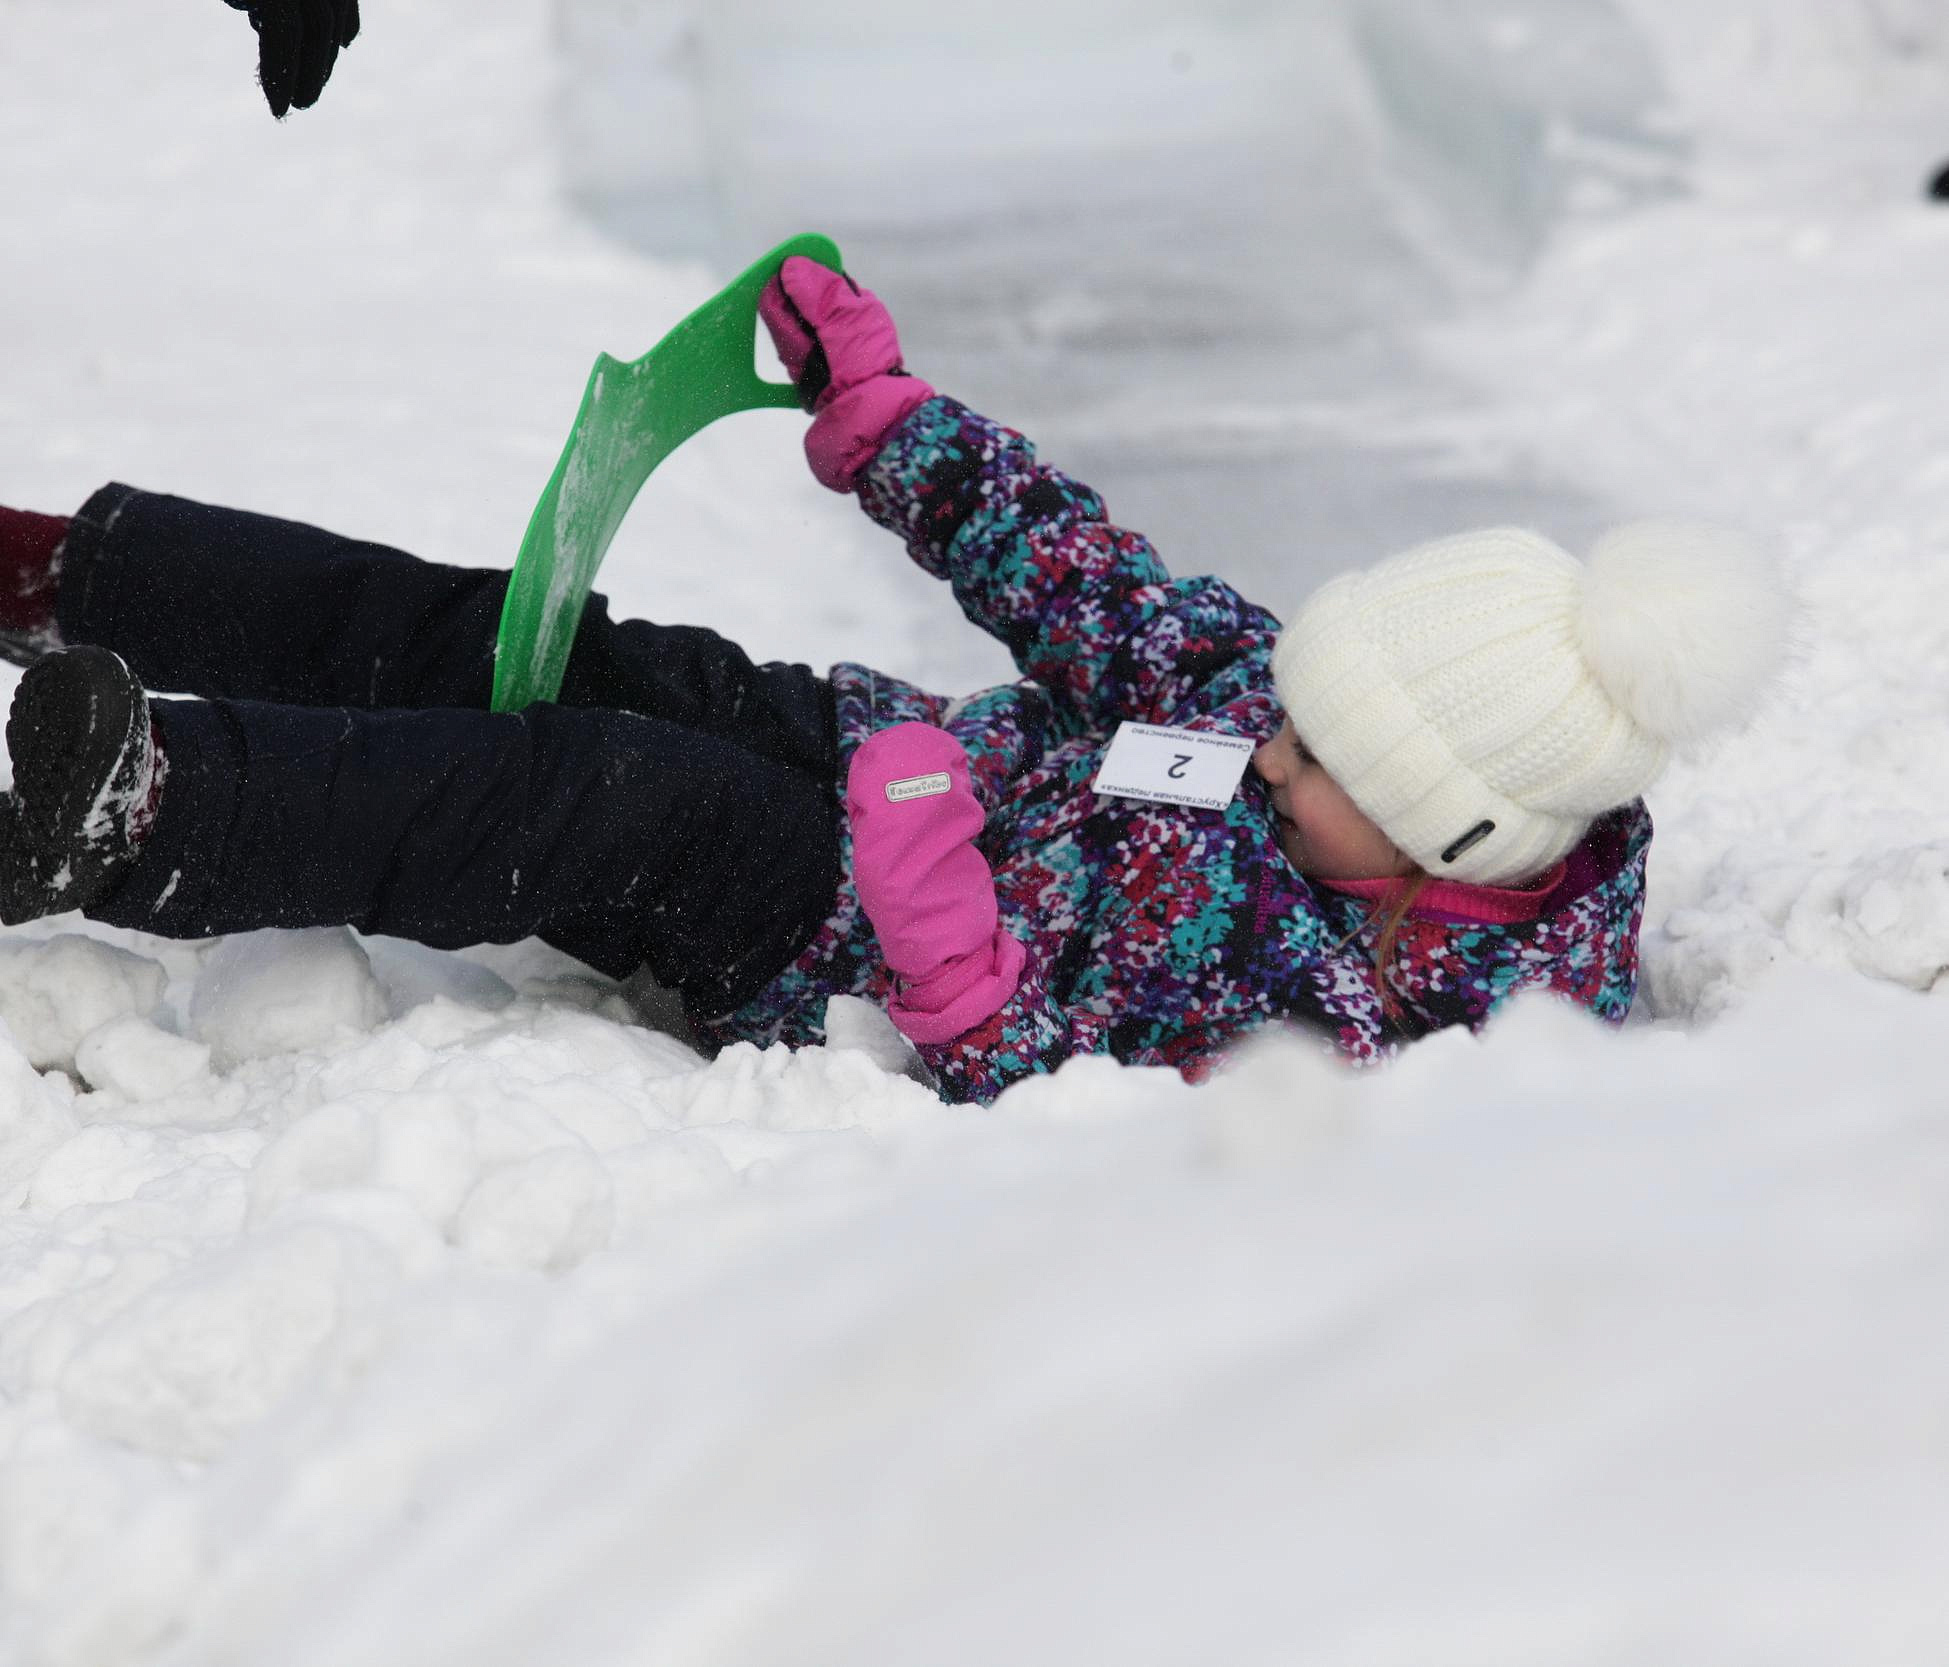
(839, 347)
(924, 886)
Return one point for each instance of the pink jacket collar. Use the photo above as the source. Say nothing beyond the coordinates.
(1455, 904)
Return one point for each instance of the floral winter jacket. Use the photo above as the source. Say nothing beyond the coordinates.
(1155, 933)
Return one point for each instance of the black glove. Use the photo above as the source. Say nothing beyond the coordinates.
(297, 43)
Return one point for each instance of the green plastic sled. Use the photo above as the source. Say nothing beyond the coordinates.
(633, 417)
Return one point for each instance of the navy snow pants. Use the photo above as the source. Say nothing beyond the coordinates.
(676, 808)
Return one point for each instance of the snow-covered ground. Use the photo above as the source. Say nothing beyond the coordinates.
(360, 1304)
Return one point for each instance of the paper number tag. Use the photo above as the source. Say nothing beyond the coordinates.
(1178, 766)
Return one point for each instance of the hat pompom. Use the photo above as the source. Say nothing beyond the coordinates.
(1684, 625)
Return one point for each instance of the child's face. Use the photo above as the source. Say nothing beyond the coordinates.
(1322, 831)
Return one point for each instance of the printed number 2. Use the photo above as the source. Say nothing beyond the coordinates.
(1176, 771)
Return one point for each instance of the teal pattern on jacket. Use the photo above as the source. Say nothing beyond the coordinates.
(1156, 933)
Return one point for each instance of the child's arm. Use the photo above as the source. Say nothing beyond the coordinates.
(1028, 1035)
(924, 885)
(838, 345)
(1086, 608)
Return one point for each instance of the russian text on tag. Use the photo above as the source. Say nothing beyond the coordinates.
(1174, 766)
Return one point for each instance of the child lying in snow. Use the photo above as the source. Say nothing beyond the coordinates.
(1442, 807)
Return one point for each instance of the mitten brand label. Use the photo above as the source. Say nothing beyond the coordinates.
(1178, 766)
(919, 787)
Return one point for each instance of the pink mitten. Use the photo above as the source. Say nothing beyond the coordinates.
(839, 347)
(925, 887)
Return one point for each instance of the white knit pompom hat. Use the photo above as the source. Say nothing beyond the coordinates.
(1483, 698)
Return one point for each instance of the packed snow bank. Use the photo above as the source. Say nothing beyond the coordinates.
(1442, 1353)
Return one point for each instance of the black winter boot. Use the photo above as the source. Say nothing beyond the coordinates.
(87, 777)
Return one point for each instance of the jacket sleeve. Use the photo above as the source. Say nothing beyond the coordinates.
(1029, 1035)
(1086, 609)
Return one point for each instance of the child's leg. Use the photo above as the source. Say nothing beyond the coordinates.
(221, 602)
(225, 603)
(691, 676)
(621, 839)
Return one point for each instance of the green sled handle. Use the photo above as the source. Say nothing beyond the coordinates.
(633, 416)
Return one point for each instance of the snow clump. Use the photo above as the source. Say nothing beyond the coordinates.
(271, 992)
(55, 991)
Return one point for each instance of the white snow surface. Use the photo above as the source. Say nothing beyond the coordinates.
(362, 1304)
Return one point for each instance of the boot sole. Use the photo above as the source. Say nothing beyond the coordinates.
(24, 892)
(74, 718)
